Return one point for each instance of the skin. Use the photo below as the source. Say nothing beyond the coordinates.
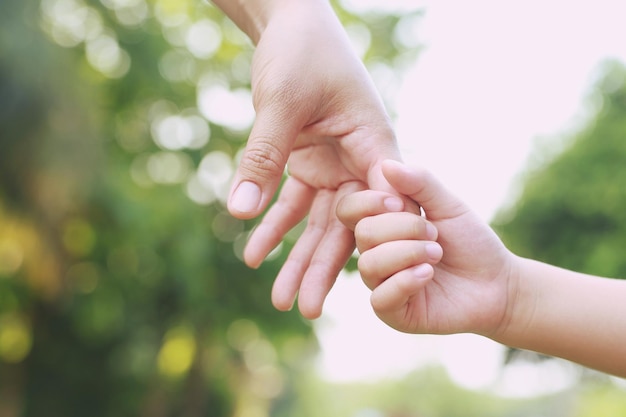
(319, 112)
(462, 279)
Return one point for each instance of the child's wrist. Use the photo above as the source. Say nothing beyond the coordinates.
(519, 304)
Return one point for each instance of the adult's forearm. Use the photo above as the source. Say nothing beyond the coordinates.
(570, 315)
(250, 15)
(253, 16)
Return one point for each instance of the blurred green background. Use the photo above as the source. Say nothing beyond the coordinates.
(122, 290)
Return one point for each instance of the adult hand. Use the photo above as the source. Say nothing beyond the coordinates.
(318, 109)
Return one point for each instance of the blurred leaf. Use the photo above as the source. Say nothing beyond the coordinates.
(571, 210)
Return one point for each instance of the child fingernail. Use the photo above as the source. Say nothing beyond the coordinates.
(433, 250)
(393, 204)
(422, 271)
(431, 232)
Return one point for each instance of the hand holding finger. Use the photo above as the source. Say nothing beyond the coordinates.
(424, 188)
(373, 230)
(396, 300)
(354, 207)
(379, 263)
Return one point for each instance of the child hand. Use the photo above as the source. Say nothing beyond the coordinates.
(417, 287)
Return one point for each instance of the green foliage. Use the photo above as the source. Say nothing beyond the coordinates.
(427, 392)
(601, 400)
(571, 210)
(122, 290)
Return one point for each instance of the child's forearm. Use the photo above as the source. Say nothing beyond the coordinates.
(570, 315)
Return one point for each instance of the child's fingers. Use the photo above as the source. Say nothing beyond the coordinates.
(395, 293)
(425, 189)
(374, 230)
(353, 207)
(383, 261)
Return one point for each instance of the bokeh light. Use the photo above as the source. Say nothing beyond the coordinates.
(242, 334)
(106, 55)
(15, 338)
(177, 352)
(214, 174)
(70, 22)
(168, 167)
(203, 38)
(407, 32)
(229, 108)
(11, 256)
(172, 12)
(128, 12)
(176, 132)
(177, 65)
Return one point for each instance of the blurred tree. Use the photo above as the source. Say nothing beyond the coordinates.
(570, 212)
(122, 291)
(601, 400)
(427, 392)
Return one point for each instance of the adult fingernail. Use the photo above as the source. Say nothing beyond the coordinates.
(393, 204)
(246, 197)
(433, 250)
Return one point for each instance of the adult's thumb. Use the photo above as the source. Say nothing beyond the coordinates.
(262, 164)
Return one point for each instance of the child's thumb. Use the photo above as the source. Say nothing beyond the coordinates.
(422, 186)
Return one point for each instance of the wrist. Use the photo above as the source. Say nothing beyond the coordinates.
(253, 16)
(520, 304)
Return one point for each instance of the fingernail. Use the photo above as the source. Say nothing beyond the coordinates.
(431, 232)
(422, 271)
(433, 250)
(246, 197)
(393, 204)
